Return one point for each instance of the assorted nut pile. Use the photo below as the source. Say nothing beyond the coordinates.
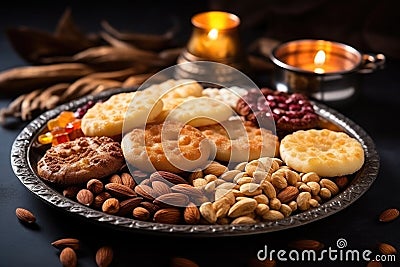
(260, 190)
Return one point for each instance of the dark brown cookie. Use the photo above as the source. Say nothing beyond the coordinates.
(80, 160)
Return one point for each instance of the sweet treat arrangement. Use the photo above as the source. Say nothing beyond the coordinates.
(178, 153)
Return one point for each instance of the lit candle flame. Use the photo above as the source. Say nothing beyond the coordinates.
(213, 34)
(319, 60)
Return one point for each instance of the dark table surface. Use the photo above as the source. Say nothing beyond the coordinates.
(376, 111)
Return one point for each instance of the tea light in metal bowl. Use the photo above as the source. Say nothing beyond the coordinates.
(324, 70)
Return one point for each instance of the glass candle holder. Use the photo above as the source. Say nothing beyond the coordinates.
(215, 37)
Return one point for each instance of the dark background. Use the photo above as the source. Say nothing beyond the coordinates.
(371, 26)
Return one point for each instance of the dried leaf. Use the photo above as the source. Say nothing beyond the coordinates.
(67, 30)
(143, 41)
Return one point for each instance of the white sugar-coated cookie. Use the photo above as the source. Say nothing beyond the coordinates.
(326, 152)
(200, 111)
(124, 110)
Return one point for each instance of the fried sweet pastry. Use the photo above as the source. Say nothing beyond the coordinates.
(326, 152)
(169, 146)
(78, 161)
(237, 141)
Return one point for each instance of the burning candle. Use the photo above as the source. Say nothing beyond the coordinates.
(317, 56)
(215, 36)
(319, 61)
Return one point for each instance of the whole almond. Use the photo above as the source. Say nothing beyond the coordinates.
(215, 168)
(167, 215)
(141, 213)
(115, 178)
(25, 215)
(310, 177)
(273, 215)
(261, 209)
(172, 199)
(100, 198)
(182, 262)
(104, 256)
(268, 189)
(330, 185)
(207, 212)
(85, 197)
(160, 188)
(229, 175)
(188, 190)
(120, 190)
(145, 191)
(278, 180)
(68, 257)
(288, 194)
(303, 201)
(243, 220)
(325, 193)
(250, 189)
(306, 244)
(164, 176)
(191, 214)
(110, 206)
(389, 215)
(66, 242)
(126, 206)
(292, 177)
(387, 249)
(221, 207)
(286, 210)
(95, 186)
(128, 180)
(242, 207)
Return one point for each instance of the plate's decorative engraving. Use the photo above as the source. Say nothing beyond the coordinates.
(22, 163)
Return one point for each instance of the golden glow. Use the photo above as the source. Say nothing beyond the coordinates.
(213, 34)
(215, 20)
(319, 58)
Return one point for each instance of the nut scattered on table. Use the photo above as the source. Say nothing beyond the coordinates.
(25, 215)
(104, 256)
(68, 257)
(66, 242)
(389, 215)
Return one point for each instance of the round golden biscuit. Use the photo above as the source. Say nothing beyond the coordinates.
(170, 146)
(326, 152)
(239, 141)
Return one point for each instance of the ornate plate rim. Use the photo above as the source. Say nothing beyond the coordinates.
(22, 169)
